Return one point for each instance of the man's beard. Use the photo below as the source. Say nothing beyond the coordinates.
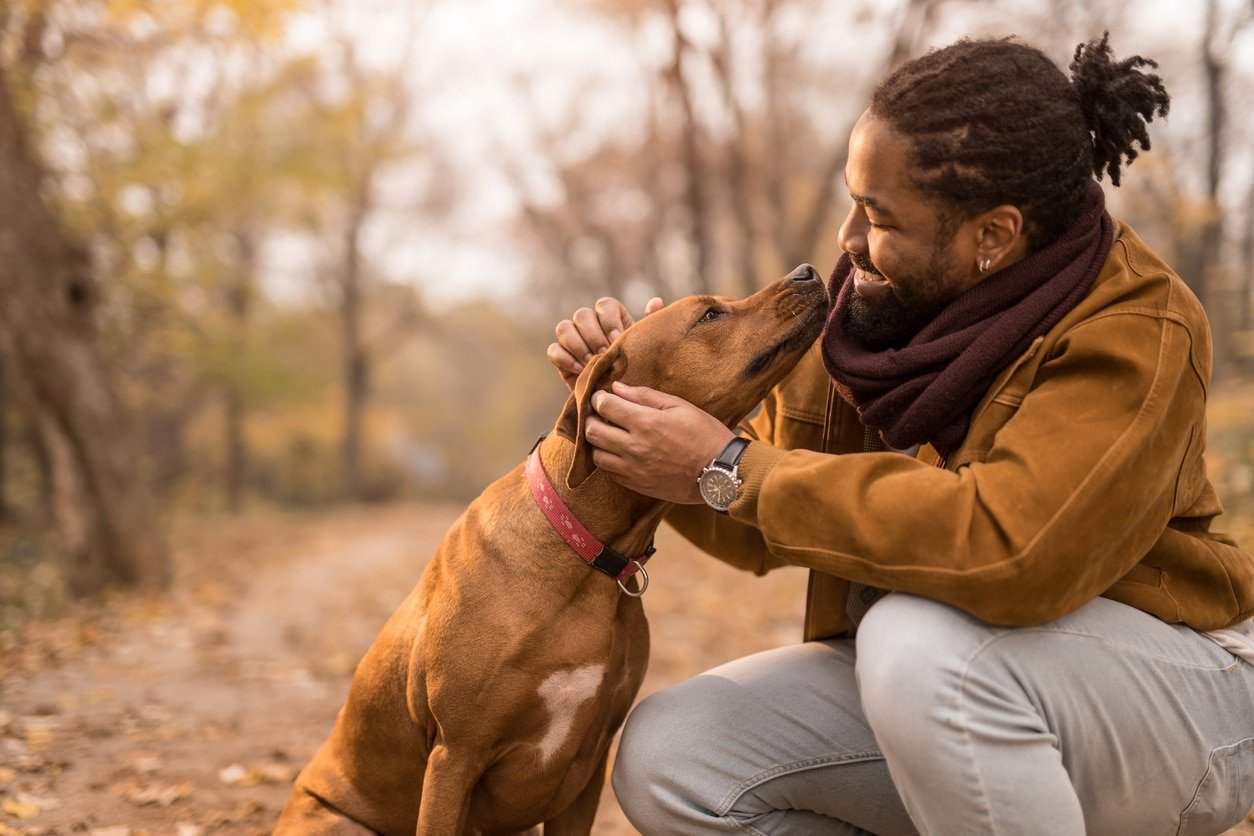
(886, 322)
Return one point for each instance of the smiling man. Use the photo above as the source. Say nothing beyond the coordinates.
(1019, 619)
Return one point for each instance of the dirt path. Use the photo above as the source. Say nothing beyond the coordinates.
(191, 714)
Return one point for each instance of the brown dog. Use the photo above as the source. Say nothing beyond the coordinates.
(488, 702)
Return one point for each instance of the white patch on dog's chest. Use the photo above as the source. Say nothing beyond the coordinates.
(563, 692)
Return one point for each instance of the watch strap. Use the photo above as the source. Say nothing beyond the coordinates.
(731, 454)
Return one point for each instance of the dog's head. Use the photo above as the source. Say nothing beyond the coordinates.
(718, 353)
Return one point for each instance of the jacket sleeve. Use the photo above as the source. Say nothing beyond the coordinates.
(1073, 490)
(720, 535)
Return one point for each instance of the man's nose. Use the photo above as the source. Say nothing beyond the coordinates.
(851, 237)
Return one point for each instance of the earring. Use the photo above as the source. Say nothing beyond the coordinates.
(985, 264)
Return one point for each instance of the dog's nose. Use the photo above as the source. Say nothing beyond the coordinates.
(804, 273)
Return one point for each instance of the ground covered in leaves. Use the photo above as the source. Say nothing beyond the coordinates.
(190, 713)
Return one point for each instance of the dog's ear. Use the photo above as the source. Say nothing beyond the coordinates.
(599, 374)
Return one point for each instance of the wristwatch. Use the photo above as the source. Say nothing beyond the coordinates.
(719, 483)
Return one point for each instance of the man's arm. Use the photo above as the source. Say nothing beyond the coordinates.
(1076, 488)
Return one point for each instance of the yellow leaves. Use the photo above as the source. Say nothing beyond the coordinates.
(24, 806)
(158, 795)
(39, 736)
(18, 809)
(237, 775)
(260, 19)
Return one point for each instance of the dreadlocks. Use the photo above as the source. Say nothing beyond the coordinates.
(996, 121)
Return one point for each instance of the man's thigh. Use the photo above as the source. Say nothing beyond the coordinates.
(773, 743)
(1147, 727)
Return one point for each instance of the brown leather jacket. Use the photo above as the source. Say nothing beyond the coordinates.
(1082, 474)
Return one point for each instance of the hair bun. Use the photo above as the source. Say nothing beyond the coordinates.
(1117, 99)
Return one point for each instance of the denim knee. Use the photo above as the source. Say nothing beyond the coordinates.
(649, 767)
(911, 652)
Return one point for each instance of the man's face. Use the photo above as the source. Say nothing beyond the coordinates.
(908, 263)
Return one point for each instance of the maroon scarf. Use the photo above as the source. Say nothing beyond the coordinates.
(925, 391)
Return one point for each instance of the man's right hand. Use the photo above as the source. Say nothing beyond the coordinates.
(589, 332)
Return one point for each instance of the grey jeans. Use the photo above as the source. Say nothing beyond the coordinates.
(1106, 721)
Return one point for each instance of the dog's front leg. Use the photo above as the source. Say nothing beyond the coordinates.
(576, 820)
(446, 788)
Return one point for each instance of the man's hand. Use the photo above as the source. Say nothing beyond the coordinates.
(589, 332)
(653, 443)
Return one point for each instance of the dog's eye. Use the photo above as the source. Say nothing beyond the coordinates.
(711, 314)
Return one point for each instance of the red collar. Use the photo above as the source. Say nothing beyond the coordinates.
(595, 553)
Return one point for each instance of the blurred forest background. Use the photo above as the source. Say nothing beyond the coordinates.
(276, 282)
(261, 254)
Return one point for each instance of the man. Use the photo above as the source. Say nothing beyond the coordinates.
(1066, 647)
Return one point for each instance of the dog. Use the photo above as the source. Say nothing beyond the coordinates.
(488, 702)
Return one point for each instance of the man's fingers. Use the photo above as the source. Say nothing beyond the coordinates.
(615, 466)
(644, 396)
(605, 436)
(654, 305)
(567, 366)
(613, 317)
(571, 339)
(619, 411)
(591, 332)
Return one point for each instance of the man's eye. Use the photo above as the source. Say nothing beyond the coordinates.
(711, 314)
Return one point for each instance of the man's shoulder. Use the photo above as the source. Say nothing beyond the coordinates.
(1135, 279)
(1136, 282)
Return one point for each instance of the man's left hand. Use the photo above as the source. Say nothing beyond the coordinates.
(653, 443)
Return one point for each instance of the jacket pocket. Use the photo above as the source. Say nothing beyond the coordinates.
(1226, 792)
(796, 430)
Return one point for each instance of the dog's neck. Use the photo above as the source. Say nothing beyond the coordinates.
(620, 518)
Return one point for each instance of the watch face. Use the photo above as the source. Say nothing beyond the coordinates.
(719, 488)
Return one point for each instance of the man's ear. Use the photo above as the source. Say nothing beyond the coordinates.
(599, 374)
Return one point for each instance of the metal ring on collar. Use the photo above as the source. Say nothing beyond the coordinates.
(644, 584)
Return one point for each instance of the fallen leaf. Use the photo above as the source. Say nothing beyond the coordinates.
(184, 829)
(19, 809)
(276, 773)
(43, 802)
(117, 830)
(7, 775)
(146, 763)
(38, 736)
(250, 808)
(238, 776)
(158, 795)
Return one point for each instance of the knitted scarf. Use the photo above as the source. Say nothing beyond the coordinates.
(926, 390)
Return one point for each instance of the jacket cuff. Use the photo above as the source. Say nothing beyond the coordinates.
(755, 463)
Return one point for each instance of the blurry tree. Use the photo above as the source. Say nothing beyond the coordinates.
(355, 126)
(1202, 245)
(733, 176)
(111, 94)
(168, 180)
(4, 445)
(48, 330)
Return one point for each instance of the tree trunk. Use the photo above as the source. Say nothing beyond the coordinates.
(737, 166)
(102, 504)
(698, 200)
(239, 297)
(1202, 252)
(4, 447)
(356, 363)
